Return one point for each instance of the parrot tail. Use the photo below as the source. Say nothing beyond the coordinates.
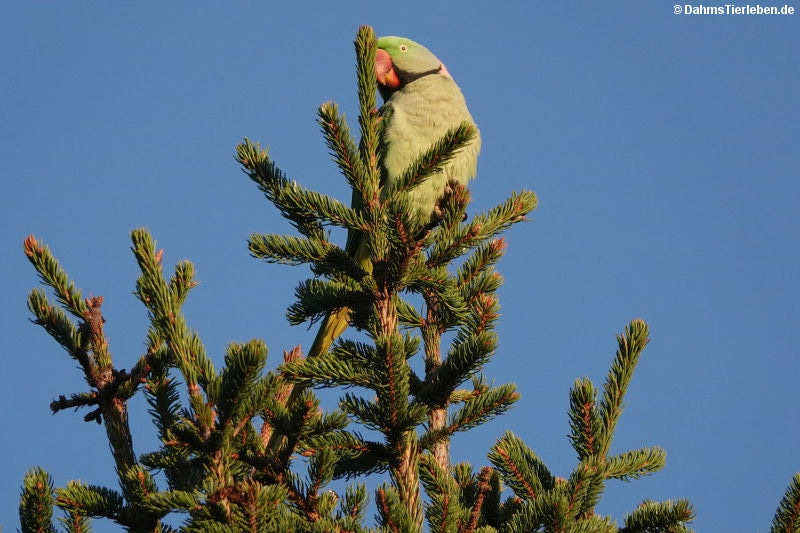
(330, 330)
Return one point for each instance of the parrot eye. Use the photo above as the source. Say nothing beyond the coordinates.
(403, 48)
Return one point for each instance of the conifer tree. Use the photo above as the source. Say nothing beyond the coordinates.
(214, 456)
(234, 439)
(787, 516)
(408, 256)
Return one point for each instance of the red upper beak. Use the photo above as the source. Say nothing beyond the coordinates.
(384, 70)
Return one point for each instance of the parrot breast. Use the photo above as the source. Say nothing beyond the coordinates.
(422, 112)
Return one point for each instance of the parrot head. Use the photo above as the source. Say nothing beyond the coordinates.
(399, 61)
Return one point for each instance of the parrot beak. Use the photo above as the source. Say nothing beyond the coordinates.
(384, 70)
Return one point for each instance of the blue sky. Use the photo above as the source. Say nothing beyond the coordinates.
(663, 149)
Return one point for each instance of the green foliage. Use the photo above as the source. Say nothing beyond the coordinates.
(90, 500)
(36, 502)
(787, 517)
(218, 467)
(445, 512)
(75, 523)
(630, 346)
(342, 148)
(520, 467)
(543, 502)
(393, 515)
(51, 273)
(652, 517)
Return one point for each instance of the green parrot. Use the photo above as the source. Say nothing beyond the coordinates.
(426, 103)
